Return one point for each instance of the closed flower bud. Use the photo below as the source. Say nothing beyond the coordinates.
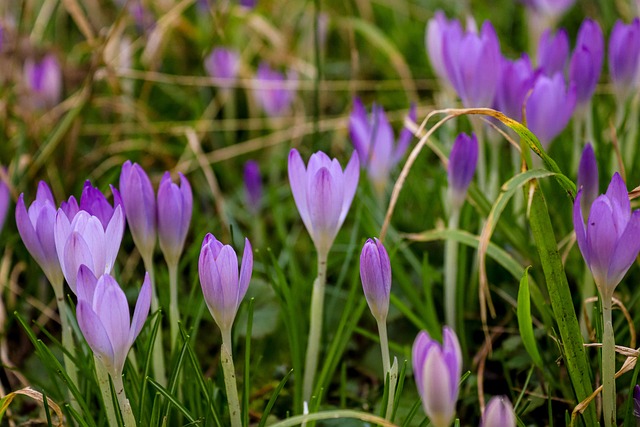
(139, 202)
(624, 56)
(588, 178)
(375, 273)
(43, 78)
(223, 64)
(94, 201)
(273, 91)
(586, 62)
(553, 52)
(498, 413)
(462, 166)
(252, 186)
(175, 205)
(516, 80)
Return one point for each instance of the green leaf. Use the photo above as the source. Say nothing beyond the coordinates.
(525, 325)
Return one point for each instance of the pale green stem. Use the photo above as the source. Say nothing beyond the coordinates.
(67, 341)
(158, 353)
(588, 290)
(494, 171)
(105, 390)
(482, 160)
(315, 329)
(588, 121)
(608, 365)
(230, 379)
(518, 197)
(125, 407)
(386, 363)
(451, 270)
(630, 142)
(174, 314)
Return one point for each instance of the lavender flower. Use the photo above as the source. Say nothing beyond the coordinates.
(462, 166)
(175, 205)
(610, 241)
(5, 200)
(550, 8)
(437, 27)
(44, 80)
(323, 194)
(553, 52)
(549, 107)
(94, 201)
(223, 289)
(472, 62)
(624, 56)
(104, 318)
(252, 186)
(70, 207)
(375, 273)
(586, 62)
(516, 80)
(499, 412)
(588, 178)
(272, 91)
(437, 370)
(373, 140)
(139, 203)
(223, 64)
(636, 402)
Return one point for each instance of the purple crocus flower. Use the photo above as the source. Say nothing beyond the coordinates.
(323, 194)
(375, 273)
(105, 321)
(516, 80)
(586, 62)
(70, 207)
(44, 80)
(462, 166)
(588, 178)
(273, 92)
(610, 241)
(94, 201)
(252, 186)
(5, 200)
(36, 226)
(373, 139)
(437, 27)
(223, 64)
(472, 62)
(84, 240)
(550, 8)
(624, 56)
(549, 107)
(249, 4)
(498, 412)
(222, 287)
(553, 52)
(139, 203)
(636, 401)
(437, 370)
(175, 205)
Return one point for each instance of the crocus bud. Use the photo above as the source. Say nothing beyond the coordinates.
(610, 241)
(252, 186)
(550, 107)
(36, 230)
(553, 52)
(323, 194)
(139, 203)
(552, 9)
(273, 92)
(94, 201)
(462, 166)
(223, 289)
(175, 205)
(375, 273)
(516, 80)
(498, 412)
(223, 64)
(624, 56)
(374, 142)
(434, 36)
(5, 200)
(105, 321)
(70, 207)
(586, 62)
(44, 80)
(472, 62)
(84, 240)
(588, 178)
(437, 370)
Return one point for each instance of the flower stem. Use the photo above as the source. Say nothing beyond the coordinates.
(386, 363)
(451, 270)
(174, 314)
(608, 365)
(476, 125)
(125, 407)
(315, 329)
(230, 379)
(158, 354)
(105, 390)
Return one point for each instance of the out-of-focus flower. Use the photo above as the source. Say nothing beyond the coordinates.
(624, 56)
(139, 203)
(249, 4)
(5, 201)
(94, 201)
(323, 194)
(636, 401)
(586, 62)
(375, 273)
(437, 27)
(175, 205)
(223, 289)
(36, 227)
(84, 240)
(550, 8)
(373, 140)
(462, 166)
(252, 186)
(223, 63)
(273, 91)
(43, 79)
(588, 178)
(472, 62)
(550, 107)
(553, 52)
(610, 241)
(516, 80)
(499, 413)
(105, 321)
(437, 370)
